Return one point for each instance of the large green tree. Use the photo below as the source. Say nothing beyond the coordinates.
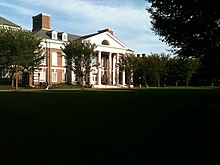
(190, 27)
(128, 63)
(182, 70)
(20, 51)
(78, 54)
(154, 69)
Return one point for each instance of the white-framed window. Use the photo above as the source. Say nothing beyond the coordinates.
(94, 78)
(54, 76)
(54, 35)
(43, 62)
(64, 62)
(94, 61)
(54, 58)
(64, 36)
(63, 77)
(42, 76)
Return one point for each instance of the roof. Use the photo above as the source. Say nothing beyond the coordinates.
(94, 34)
(46, 35)
(4, 21)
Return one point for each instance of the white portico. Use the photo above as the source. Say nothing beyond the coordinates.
(105, 68)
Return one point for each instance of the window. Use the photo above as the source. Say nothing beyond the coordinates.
(54, 35)
(43, 62)
(42, 77)
(94, 61)
(54, 59)
(54, 76)
(64, 36)
(105, 42)
(64, 77)
(64, 62)
(94, 78)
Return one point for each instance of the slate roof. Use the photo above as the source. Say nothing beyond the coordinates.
(45, 34)
(94, 34)
(71, 37)
(4, 21)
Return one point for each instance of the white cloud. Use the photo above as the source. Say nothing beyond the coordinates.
(17, 8)
(129, 19)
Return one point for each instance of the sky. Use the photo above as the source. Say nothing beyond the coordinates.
(127, 18)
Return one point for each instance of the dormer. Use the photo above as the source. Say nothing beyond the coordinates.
(54, 35)
(63, 36)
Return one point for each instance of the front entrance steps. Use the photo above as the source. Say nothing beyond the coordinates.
(111, 86)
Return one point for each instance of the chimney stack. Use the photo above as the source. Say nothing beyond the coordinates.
(41, 21)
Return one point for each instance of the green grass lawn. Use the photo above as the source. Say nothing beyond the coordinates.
(108, 127)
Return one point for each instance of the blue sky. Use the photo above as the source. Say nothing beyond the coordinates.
(128, 18)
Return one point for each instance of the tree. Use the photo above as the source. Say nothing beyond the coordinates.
(154, 69)
(190, 27)
(174, 74)
(158, 69)
(138, 73)
(78, 54)
(182, 70)
(128, 63)
(20, 51)
(190, 67)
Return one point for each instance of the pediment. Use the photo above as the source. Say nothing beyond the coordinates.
(106, 39)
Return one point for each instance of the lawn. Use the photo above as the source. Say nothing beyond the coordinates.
(108, 127)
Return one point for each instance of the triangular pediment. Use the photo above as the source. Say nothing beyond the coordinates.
(106, 39)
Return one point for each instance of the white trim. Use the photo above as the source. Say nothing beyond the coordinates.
(58, 68)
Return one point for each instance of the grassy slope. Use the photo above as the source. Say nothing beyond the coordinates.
(175, 126)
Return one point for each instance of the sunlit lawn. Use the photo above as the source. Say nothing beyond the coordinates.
(150, 126)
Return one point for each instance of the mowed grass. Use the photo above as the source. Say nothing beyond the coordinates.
(150, 126)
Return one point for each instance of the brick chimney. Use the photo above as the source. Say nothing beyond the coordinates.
(41, 21)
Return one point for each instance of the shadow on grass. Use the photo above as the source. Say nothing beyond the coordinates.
(147, 126)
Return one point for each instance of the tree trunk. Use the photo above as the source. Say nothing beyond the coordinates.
(81, 81)
(158, 82)
(129, 81)
(187, 82)
(176, 83)
(16, 80)
(30, 79)
(13, 80)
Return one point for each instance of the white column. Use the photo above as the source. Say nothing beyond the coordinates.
(113, 69)
(91, 78)
(99, 68)
(110, 68)
(123, 77)
(117, 69)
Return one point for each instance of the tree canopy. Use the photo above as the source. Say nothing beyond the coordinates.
(190, 27)
(78, 54)
(20, 50)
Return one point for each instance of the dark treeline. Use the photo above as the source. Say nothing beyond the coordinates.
(192, 29)
(163, 70)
